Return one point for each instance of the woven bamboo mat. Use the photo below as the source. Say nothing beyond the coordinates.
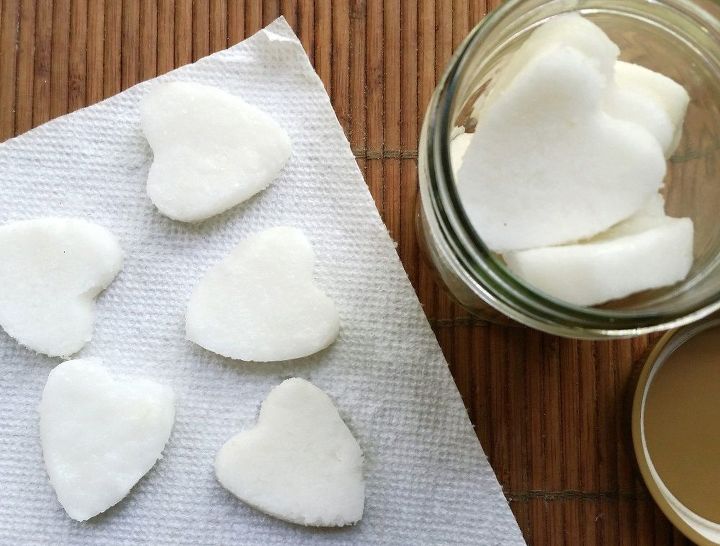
(549, 412)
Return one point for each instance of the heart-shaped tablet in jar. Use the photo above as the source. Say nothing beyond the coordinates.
(546, 164)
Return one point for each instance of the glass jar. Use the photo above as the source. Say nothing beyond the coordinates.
(678, 38)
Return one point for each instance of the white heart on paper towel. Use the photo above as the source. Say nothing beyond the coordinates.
(261, 302)
(648, 250)
(300, 463)
(100, 435)
(211, 149)
(51, 270)
(546, 165)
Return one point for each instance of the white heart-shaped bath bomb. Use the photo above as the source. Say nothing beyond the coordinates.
(211, 149)
(568, 30)
(651, 100)
(300, 463)
(634, 93)
(100, 435)
(261, 302)
(51, 269)
(648, 250)
(546, 165)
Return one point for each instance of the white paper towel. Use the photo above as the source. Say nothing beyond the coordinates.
(428, 481)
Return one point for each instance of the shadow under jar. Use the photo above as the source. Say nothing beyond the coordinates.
(678, 38)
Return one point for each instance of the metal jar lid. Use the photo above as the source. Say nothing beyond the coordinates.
(691, 524)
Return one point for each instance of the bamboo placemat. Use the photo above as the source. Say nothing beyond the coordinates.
(549, 412)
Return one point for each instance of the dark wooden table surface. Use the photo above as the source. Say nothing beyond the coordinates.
(548, 411)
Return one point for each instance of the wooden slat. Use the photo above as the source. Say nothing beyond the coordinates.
(149, 40)
(183, 32)
(476, 11)
(551, 413)
(288, 9)
(253, 16)
(166, 36)
(392, 139)
(607, 427)
(306, 26)
(95, 58)
(410, 122)
(461, 21)
(626, 479)
(9, 12)
(499, 449)
(358, 114)
(112, 76)
(78, 48)
(323, 48)
(130, 48)
(375, 77)
(340, 62)
(271, 11)
(200, 30)
(236, 22)
(25, 70)
(443, 37)
(43, 59)
(218, 21)
(517, 417)
(60, 58)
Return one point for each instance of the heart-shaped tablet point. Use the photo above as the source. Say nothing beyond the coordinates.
(100, 434)
(51, 270)
(211, 149)
(300, 463)
(261, 303)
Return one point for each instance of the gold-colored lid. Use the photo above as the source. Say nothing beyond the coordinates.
(676, 428)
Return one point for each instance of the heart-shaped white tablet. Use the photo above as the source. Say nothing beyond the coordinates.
(261, 302)
(100, 435)
(648, 250)
(51, 269)
(546, 165)
(211, 149)
(651, 100)
(300, 463)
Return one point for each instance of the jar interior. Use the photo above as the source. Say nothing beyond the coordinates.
(669, 37)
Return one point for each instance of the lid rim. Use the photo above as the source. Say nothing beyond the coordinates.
(638, 404)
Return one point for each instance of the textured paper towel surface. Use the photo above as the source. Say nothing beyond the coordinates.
(428, 481)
